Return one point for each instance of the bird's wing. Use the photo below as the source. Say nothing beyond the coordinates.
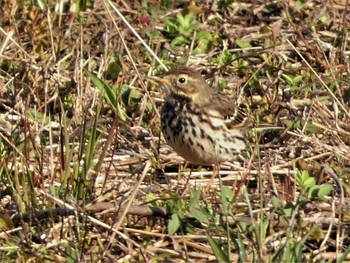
(225, 108)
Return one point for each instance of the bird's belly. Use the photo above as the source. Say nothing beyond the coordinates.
(199, 142)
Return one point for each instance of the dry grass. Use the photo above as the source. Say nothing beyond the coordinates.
(84, 180)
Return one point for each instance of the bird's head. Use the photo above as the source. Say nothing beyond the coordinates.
(185, 82)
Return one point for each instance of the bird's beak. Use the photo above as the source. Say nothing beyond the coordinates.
(158, 80)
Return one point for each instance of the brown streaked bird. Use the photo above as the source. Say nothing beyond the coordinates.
(202, 124)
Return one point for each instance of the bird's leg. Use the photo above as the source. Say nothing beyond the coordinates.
(187, 179)
(215, 171)
(213, 176)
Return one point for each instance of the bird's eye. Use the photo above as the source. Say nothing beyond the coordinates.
(204, 73)
(182, 80)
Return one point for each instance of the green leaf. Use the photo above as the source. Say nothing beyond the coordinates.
(227, 193)
(297, 79)
(276, 203)
(204, 42)
(187, 24)
(305, 181)
(92, 143)
(313, 192)
(300, 246)
(263, 228)
(243, 226)
(223, 85)
(195, 197)
(305, 175)
(200, 214)
(309, 182)
(149, 106)
(135, 94)
(113, 70)
(190, 229)
(288, 209)
(108, 92)
(240, 248)
(346, 186)
(226, 197)
(219, 254)
(171, 24)
(204, 36)
(179, 41)
(304, 199)
(324, 190)
(311, 128)
(287, 78)
(242, 43)
(173, 224)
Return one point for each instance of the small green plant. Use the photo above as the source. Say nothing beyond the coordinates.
(180, 28)
(301, 124)
(309, 189)
(298, 234)
(223, 85)
(109, 94)
(294, 81)
(177, 207)
(205, 40)
(220, 255)
(224, 57)
(182, 211)
(242, 43)
(115, 67)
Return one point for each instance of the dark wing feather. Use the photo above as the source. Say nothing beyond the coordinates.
(234, 115)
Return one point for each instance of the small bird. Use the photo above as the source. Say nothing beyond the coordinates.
(201, 124)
